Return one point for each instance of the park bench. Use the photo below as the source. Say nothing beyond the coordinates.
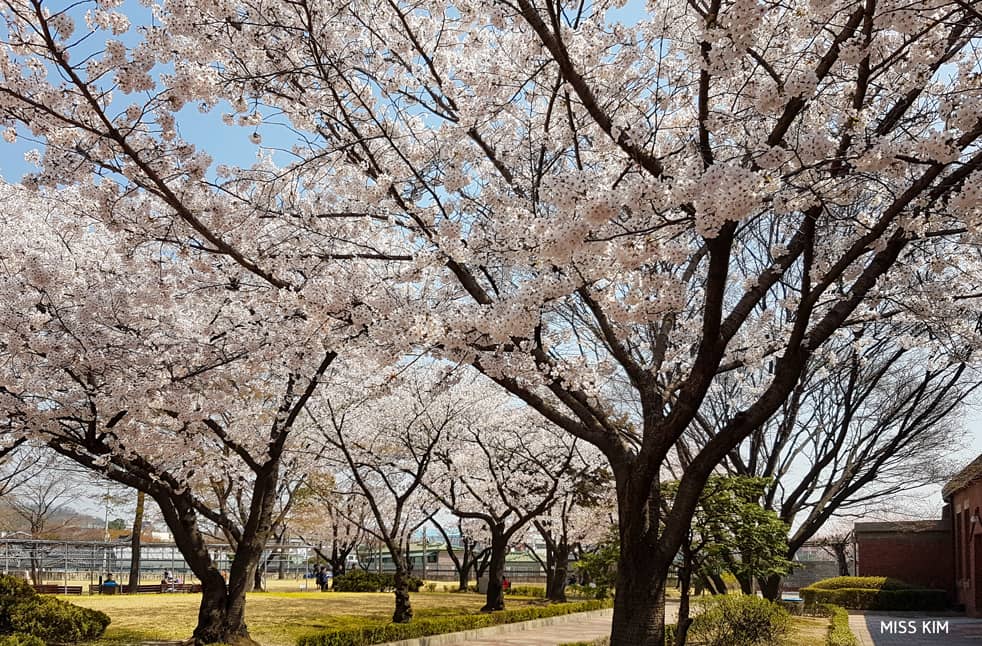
(51, 588)
(149, 588)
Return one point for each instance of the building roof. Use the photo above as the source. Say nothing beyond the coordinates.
(901, 526)
(963, 479)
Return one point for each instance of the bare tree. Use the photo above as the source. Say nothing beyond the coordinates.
(859, 429)
(42, 503)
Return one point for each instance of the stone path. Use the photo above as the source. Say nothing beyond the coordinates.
(915, 629)
(579, 629)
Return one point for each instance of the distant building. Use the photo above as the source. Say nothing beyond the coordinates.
(943, 554)
(964, 495)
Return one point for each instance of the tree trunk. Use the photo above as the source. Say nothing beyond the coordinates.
(257, 579)
(559, 575)
(134, 580)
(403, 613)
(221, 615)
(746, 583)
(841, 558)
(639, 605)
(495, 598)
(770, 587)
(463, 577)
(684, 620)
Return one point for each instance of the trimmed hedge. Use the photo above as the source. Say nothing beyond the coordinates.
(20, 639)
(381, 633)
(840, 634)
(26, 617)
(527, 591)
(887, 598)
(362, 581)
(739, 620)
(863, 582)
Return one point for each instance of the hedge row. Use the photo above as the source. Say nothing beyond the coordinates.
(381, 633)
(864, 582)
(871, 599)
(363, 581)
(840, 634)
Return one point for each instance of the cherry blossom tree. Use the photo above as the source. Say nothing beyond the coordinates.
(330, 518)
(563, 195)
(471, 552)
(124, 364)
(582, 513)
(381, 433)
(504, 467)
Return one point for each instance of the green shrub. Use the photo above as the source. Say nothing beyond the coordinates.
(431, 587)
(381, 633)
(27, 617)
(13, 591)
(362, 581)
(840, 635)
(54, 620)
(20, 639)
(864, 582)
(527, 591)
(874, 599)
(739, 620)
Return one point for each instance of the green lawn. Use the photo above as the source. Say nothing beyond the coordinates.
(274, 618)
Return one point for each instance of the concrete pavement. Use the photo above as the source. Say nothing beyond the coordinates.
(915, 629)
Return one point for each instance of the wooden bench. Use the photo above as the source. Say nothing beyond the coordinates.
(52, 588)
(149, 588)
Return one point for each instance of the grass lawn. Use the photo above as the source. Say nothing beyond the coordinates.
(274, 618)
(808, 631)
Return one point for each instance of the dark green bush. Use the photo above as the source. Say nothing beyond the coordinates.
(362, 581)
(381, 633)
(527, 591)
(54, 620)
(739, 620)
(874, 599)
(863, 582)
(25, 614)
(840, 635)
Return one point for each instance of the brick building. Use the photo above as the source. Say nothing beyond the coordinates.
(964, 495)
(944, 554)
(916, 551)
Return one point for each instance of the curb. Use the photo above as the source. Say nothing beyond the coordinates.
(493, 631)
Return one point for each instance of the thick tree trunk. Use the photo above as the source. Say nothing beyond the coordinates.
(639, 605)
(559, 574)
(746, 583)
(463, 577)
(495, 597)
(403, 613)
(134, 579)
(770, 587)
(221, 615)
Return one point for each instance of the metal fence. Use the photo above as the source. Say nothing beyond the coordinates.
(64, 562)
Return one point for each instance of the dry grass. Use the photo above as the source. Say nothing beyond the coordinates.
(274, 618)
(808, 631)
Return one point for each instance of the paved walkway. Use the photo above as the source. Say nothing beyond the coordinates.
(579, 629)
(915, 629)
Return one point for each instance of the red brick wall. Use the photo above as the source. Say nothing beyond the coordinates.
(968, 585)
(923, 558)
